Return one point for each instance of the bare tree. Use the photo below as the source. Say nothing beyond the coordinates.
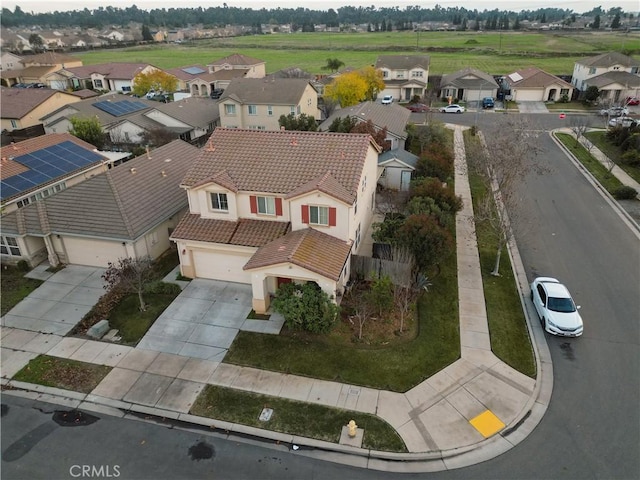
(504, 163)
(362, 307)
(130, 274)
(579, 125)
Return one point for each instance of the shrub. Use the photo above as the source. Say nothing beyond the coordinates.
(305, 307)
(631, 158)
(427, 239)
(444, 196)
(436, 161)
(625, 193)
(23, 266)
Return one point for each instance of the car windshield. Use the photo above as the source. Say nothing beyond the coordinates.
(563, 305)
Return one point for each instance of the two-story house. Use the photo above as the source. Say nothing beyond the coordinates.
(23, 107)
(251, 67)
(617, 76)
(258, 103)
(113, 77)
(405, 76)
(267, 207)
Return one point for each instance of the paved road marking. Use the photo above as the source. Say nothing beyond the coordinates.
(487, 423)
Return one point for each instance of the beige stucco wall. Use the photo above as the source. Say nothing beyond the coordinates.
(59, 99)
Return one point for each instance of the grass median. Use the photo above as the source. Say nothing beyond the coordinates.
(293, 417)
(62, 373)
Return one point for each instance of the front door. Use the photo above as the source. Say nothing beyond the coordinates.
(281, 280)
(405, 180)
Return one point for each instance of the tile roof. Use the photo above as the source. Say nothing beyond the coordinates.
(609, 59)
(274, 91)
(11, 167)
(49, 58)
(245, 232)
(85, 93)
(194, 111)
(115, 70)
(237, 59)
(533, 77)
(403, 62)
(183, 74)
(279, 162)
(393, 116)
(17, 102)
(629, 80)
(123, 203)
(479, 78)
(307, 248)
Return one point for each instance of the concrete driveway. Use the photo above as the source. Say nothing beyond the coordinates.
(204, 319)
(60, 302)
(532, 107)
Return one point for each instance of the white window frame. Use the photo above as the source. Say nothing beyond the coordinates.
(221, 200)
(98, 83)
(9, 246)
(14, 124)
(270, 110)
(266, 205)
(230, 109)
(292, 109)
(252, 109)
(321, 213)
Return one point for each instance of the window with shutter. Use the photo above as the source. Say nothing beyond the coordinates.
(305, 213)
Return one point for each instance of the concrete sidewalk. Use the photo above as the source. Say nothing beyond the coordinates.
(473, 410)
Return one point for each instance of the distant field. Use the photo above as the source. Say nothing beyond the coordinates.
(449, 51)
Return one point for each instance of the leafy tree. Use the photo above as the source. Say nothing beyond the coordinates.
(615, 23)
(146, 34)
(333, 64)
(436, 161)
(305, 307)
(385, 231)
(302, 122)
(379, 135)
(348, 89)
(36, 42)
(596, 23)
(89, 130)
(381, 294)
(443, 195)
(157, 137)
(426, 239)
(375, 82)
(131, 275)
(157, 80)
(591, 94)
(343, 124)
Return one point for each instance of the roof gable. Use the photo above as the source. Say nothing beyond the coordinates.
(272, 91)
(393, 117)
(403, 62)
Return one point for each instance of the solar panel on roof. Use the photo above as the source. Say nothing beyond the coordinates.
(193, 70)
(7, 190)
(18, 183)
(122, 107)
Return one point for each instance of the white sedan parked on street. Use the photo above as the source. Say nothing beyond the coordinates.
(556, 309)
(452, 109)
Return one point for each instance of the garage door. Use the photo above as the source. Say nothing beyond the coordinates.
(95, 253)
(221, 266)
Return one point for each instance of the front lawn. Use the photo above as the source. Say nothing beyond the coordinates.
(395, 367)
(293, 417)
(131, 323)
(14, 286)
(599, 139)
(62, 373)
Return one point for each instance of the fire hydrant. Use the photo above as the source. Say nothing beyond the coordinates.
(352, 428)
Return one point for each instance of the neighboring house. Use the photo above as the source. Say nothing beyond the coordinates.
(113, 77)
(42, 166)
(535, 85)
(205, 83)
(252, 67)
(10, 61)
(617, 76)
(24, 107)
(186, 74)
(51, 59)
(127, 211)
(258, 103)
(127, 120)
(468, 85)
(268, 207)
(392, 117)
(405, 76)
(395, 169)
(190, 119)
(599, 65)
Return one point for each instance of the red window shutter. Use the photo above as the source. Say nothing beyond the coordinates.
(332, 217)
(305, 213)
(278, 207)
(253, 201)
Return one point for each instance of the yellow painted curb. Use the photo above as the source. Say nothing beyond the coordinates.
(487, 423)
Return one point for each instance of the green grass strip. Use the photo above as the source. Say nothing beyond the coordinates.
(62, 373)
(293, 417)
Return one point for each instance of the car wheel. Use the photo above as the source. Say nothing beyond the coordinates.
(531, 295)
(544, 324)
(459, 111)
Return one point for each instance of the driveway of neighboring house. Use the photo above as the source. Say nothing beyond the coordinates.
(60, 302)
(204, 319)
(532, 107)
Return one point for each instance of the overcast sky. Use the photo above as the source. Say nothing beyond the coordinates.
(38, 6)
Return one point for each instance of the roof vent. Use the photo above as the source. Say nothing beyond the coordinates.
(210, 146)
(294, 141)
(163, 173)
(14, 146)
(132, 170)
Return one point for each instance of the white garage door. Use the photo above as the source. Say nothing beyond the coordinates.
(94, 253)
(221, 266)
(529, 95)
